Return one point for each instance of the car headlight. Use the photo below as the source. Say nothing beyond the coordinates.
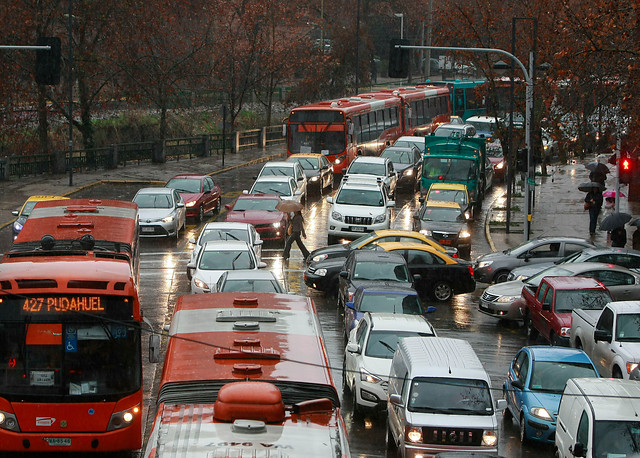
(315, 178)
(276, 224)
(414, 435)
(426, 232)
(380, 218)
(464, 235)
(366, 376)
(500, 165)
(507, 299)
(489, 438)
(200, 284)
(191, 204)
(321, 272)
(540, 412)
(167, 219)
(336, 216)
(17, 226)
(319, 257)
(408, 173)
(482, 264)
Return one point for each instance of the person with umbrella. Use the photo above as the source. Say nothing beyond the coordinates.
(296, 229)
(593, 203)
(615, 223)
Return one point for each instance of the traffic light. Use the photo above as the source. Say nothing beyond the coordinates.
(398, 59)
(626, 165)
(521, 160)
(48, 61)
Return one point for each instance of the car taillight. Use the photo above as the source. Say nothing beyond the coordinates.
(455, 255)
(470, 269)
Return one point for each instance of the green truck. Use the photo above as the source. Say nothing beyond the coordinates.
(456, 160)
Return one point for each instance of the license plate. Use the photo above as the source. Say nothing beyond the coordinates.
(444, 242)
(58, 441)
(147, 229)
(357, 228)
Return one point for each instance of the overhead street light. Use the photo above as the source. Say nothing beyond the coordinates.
(401, 16)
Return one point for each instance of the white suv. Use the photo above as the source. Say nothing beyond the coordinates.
(362, 204)
(378, 167)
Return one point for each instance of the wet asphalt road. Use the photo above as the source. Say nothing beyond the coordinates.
(163, 279)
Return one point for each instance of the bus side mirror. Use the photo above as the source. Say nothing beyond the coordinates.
(154, 348)
(284, 130)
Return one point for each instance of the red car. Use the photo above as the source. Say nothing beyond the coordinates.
(260, 210)
(200, 194)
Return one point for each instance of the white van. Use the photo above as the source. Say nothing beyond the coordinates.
(599, 417)
(440, 399)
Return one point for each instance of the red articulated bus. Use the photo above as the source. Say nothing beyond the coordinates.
(70, 335)
(246, 374)
(342, 129)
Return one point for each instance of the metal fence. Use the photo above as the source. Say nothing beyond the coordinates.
(124, 154)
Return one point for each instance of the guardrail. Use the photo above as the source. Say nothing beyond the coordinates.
(124, 154)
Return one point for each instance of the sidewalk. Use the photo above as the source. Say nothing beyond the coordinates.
(558, 210)
(15, 191)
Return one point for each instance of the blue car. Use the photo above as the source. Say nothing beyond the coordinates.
(385, 297)
(534, 386)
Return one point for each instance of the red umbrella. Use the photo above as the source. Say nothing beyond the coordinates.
(612, 193)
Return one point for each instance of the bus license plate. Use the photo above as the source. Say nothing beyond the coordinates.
(58, 441)
(357, 228)
(444, 242)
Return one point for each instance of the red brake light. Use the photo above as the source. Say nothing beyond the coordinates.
(470, 269)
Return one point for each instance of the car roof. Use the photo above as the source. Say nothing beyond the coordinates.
(408, 245)
(313, 155)
(456, 186)
(482, 118)
(259, 274)
(371, 159)
(608, 249)
(624, 306)
(573, 282)
(381, 256)
(577, 268)
(409, 149)
(189, 175)
(556, 353)
(399, 322)
(259, 196)
(278, 164)
(411, 138)
(225, 225)
(274, 178)
(156, 190)
(387, 287)
(44, 198)
(359, 181)
(441, 204)
(226, 245)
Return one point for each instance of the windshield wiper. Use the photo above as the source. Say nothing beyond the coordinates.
(233, 263)
(231, 235)
(387, 346)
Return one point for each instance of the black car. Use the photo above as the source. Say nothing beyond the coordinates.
(446, 223)
(407, 162)
(363, 268)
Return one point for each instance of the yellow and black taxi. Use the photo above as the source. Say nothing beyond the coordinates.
(24, 212)
(446, 223)
(324, 264)
(441, 276)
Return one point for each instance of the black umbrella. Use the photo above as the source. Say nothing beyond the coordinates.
(614, 221)
(597, 167)
(634, 222)
(590, 186)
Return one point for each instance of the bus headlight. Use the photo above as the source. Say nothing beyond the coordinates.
(414, 435)
(8, 421)
(123, 419)
(489, 438)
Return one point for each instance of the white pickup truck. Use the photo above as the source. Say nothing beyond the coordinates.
(611, 337)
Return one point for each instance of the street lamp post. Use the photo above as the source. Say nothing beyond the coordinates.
(70, 92)
(528, 107)
(401, 16)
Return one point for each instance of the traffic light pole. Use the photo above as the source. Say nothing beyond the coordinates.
(528, 116)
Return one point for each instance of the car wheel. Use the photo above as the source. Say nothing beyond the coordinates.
(532, 332)
(201, 213)
(345, 385)
(218, 206)
(579, 344)
(442, 291)
(523, 430)
(616, 372)
(500, 276)
(357, 410)
(553, 340)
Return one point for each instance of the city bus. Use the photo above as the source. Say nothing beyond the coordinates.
(70, 334)
(342, 129)
(466, 101)
(246, 374)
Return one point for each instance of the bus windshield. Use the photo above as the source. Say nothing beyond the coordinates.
(449, 169)
(89, 359)
(323, 141)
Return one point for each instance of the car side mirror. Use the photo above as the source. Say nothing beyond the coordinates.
(501, 404)
(353, 347)
(546, 307)
(602, 335)
(431, 309)
(518, 384)
(577, 449)
(344, 274)
(228, 206)
(417, 277)
(245, 191)
(330, 199)
(391, 203)
(259, 242)
(180, 205)
(192, 240)
(350, 305)
(262, 265)
(15, 212)
(421, 199)
(396, 400)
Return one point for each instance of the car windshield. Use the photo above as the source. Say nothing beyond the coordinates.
(568, 300)
(408, 144)
(367, 168)
(450, 396)
(628, 327)
(307, 163)
(277, 171)
(184, 184)
(494, 149)
(442, 214)
(382, 344)
(252, 286)
(381, 271)
(223, 234)
(552, 376)
(448, 195)
(255, 204)
(225, 260)
(451, 169)
(398, 157)
(448, 132)
(483, 126)
(153, 200)
(553, 271)
(366, 197)
(280, 188)
(387, 302)
(616, 438)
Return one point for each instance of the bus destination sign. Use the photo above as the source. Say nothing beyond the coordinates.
(63, 304)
